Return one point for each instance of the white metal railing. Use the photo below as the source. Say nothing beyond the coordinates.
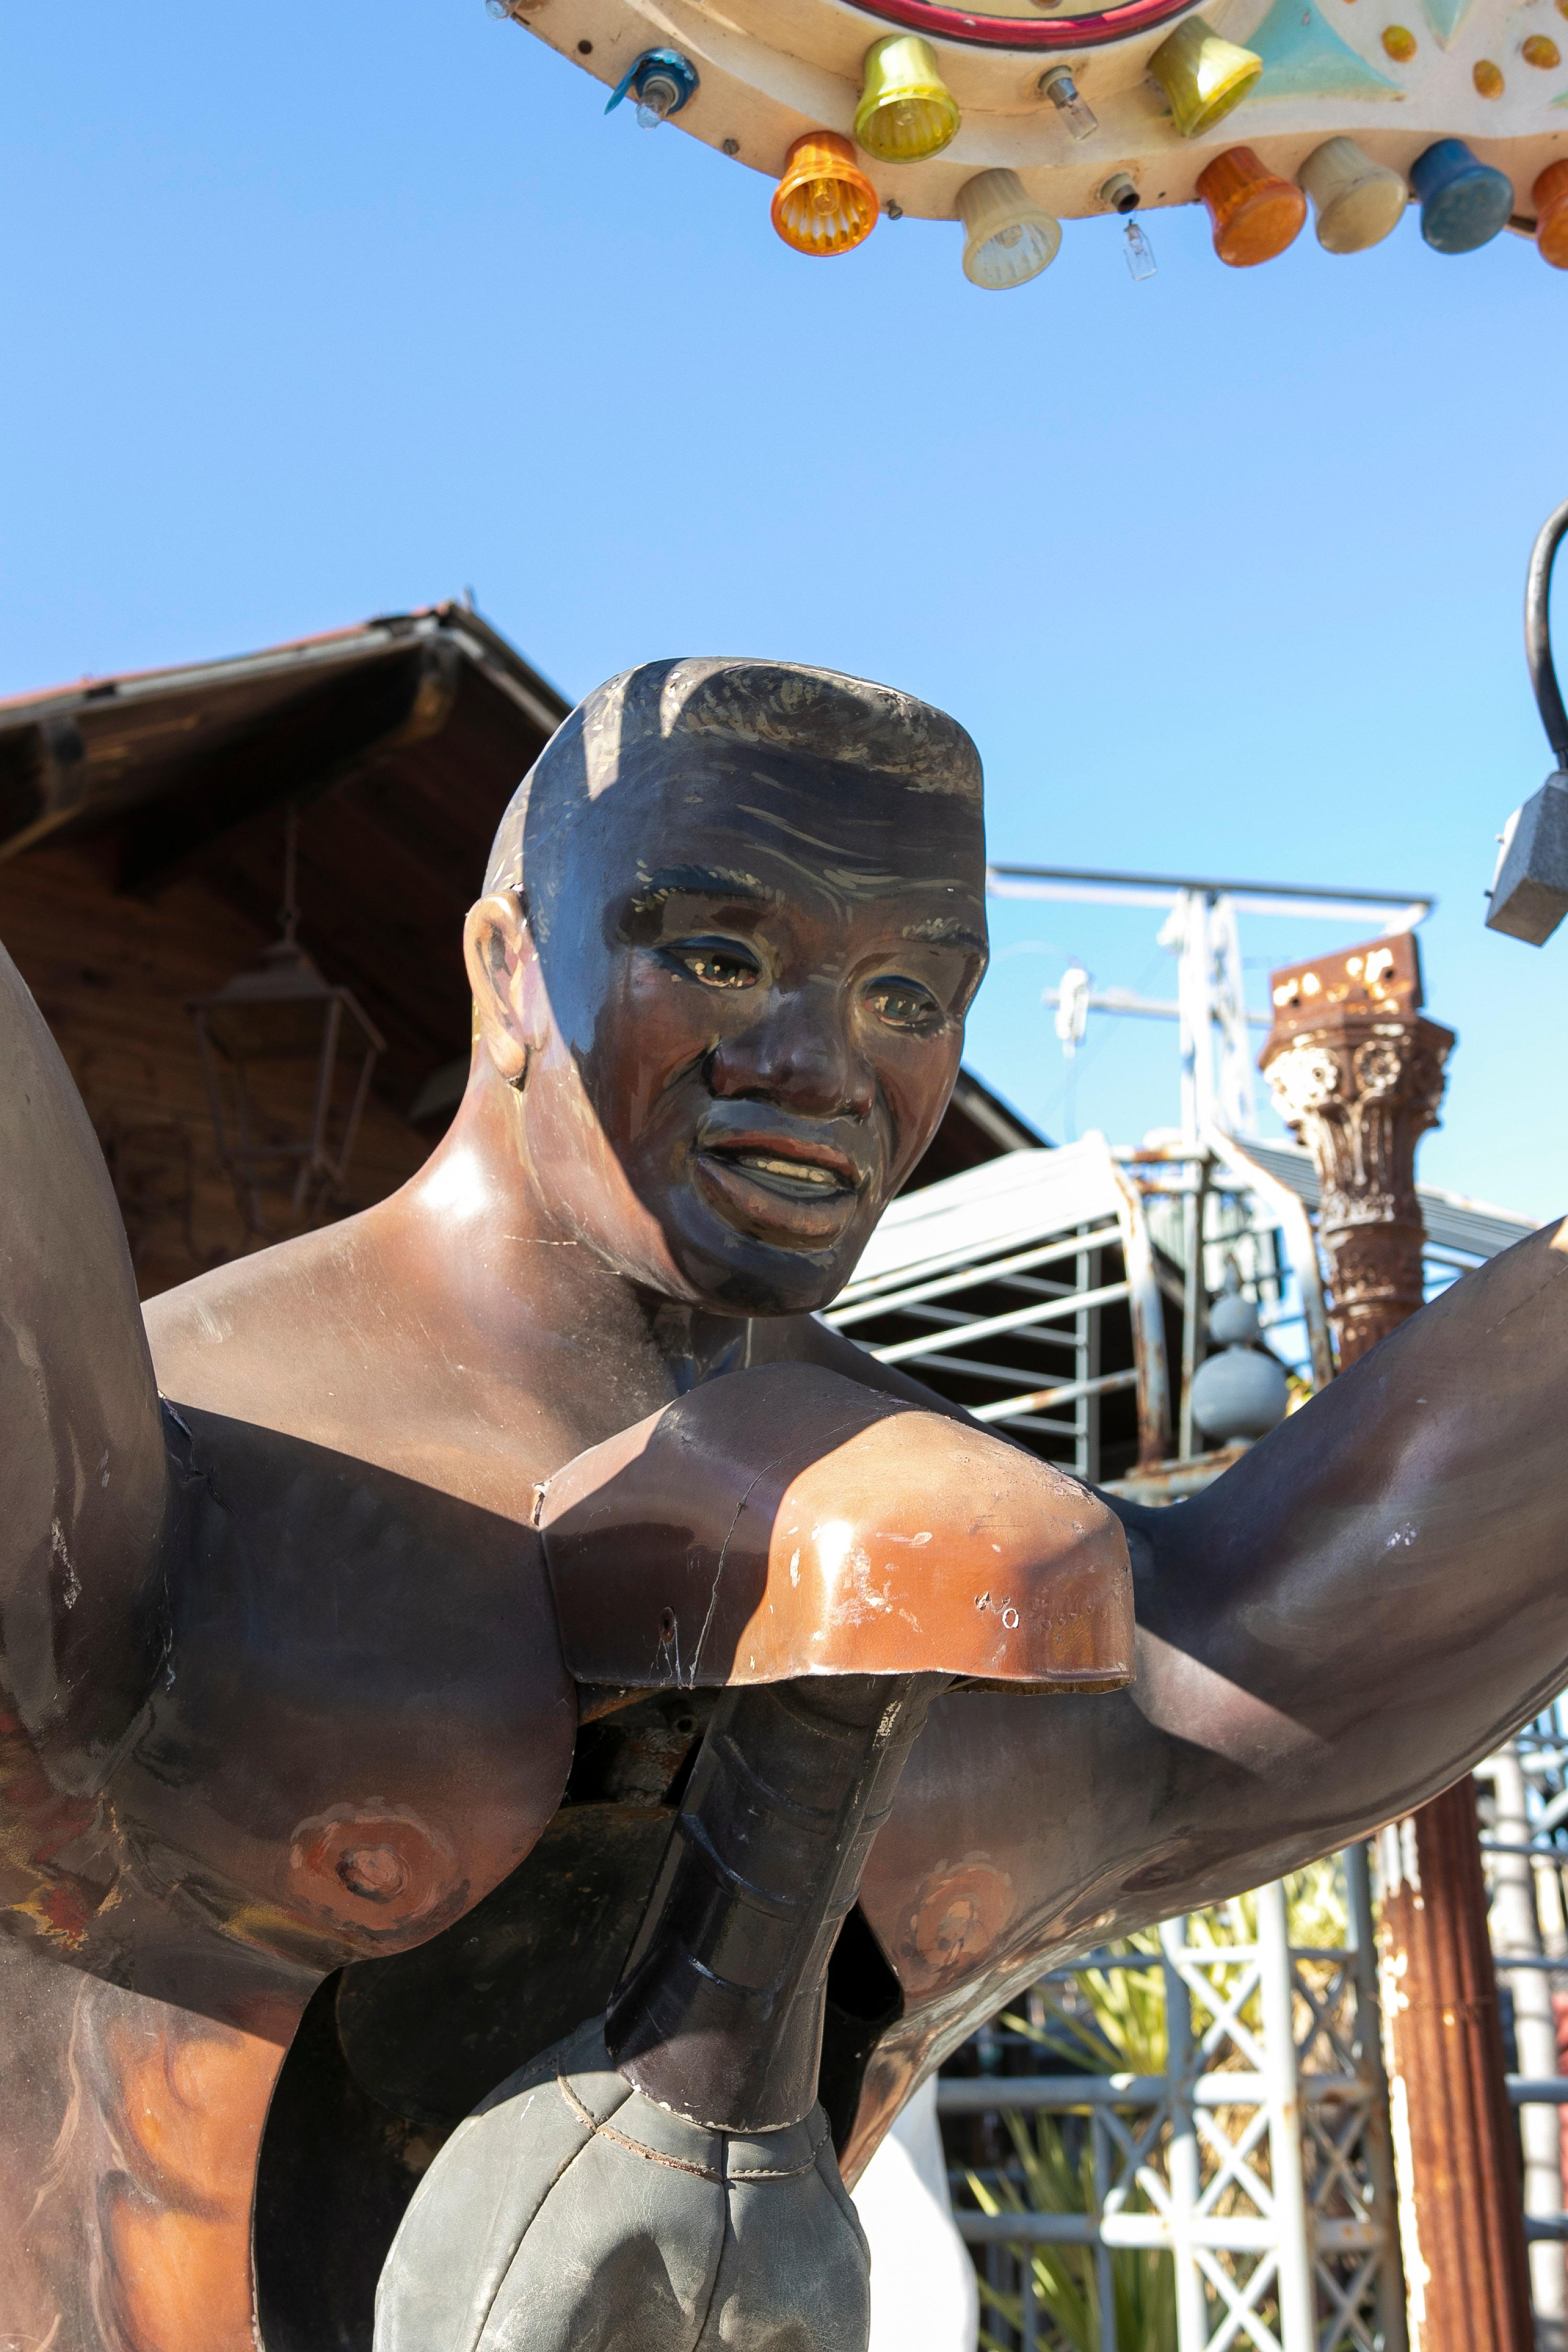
(996, 1285)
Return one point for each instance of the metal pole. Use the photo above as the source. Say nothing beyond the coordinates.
(1379, 2152)
(1297, 2326)
(1191, 2314)
(1194, 1296)
(1104, 2269)
(1238, 1107)
(1516, 1934)
(1195, 989)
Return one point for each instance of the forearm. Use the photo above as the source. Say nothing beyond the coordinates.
(1378, 1591)
(83, 1480)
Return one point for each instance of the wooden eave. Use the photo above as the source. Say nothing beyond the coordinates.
(400, 740)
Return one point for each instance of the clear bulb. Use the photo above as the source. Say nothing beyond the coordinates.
(1140, 252)
(1062, 90)
(656, 99)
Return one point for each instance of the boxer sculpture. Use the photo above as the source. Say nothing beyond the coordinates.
(502, 1617)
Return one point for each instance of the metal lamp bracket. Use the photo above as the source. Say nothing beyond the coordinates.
(1529, 890)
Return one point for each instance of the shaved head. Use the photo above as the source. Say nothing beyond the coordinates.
(667, 711)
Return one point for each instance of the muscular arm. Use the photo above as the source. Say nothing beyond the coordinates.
(82, 1471)
(1379, 1590)
(1330, 1634)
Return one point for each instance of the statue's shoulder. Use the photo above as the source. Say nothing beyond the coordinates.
(260, 1325)
(337, 1341)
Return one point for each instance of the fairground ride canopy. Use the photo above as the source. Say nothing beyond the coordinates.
(1012, 117)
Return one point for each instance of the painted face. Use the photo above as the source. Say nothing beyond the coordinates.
(757, 968)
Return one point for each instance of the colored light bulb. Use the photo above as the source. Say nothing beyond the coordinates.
(659, 83)
(1358, 203)
(1202, 77)
(658, 97)
(1140, 252)
(1009, 238)
(1549, 197)
(1063, 92)
(1255, 214)
(824, 203)
(1464, 202)
(906, 111)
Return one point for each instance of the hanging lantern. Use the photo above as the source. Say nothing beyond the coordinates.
(1549, 197)
(906, 111)
(1202, 76)
(1358, 203)
(1254, 213)
(286, 1061)
(660, 81)
(824, 203)
(1464, 202)
(1009, 238)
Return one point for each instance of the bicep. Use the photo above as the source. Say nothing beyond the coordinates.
(83, 1478)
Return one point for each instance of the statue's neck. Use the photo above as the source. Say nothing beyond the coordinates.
(481, 1242)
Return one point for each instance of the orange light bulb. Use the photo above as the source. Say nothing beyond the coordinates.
(1255, 214)
(824, 203)
(1550, 196)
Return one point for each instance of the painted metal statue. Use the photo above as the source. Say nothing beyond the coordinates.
(466, 1828)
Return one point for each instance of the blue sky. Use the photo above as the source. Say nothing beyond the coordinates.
(320, 309)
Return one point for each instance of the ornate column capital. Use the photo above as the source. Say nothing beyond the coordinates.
(1356, 1072)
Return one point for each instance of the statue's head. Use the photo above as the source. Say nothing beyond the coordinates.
(733, 920)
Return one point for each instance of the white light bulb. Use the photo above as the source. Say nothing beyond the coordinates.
(1062, 90)
(655, 100)
(1140, 252)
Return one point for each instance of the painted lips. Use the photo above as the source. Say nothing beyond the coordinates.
(782, 1194)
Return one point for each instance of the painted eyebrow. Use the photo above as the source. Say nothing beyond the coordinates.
(700, 882)
(943, 932)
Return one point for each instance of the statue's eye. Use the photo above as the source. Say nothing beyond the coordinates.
(717, 963)
(904, 1004)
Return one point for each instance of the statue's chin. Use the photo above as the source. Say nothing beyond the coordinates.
(570, 2214)
(732, 1273)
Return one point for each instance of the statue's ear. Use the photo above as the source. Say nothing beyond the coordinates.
(509, 987)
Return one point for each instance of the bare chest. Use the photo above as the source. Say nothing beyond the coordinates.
(364, 1719)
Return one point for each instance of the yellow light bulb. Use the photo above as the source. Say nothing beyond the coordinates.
(1202, 76)
(906, 111)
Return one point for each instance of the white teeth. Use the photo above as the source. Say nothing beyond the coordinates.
(798, 1170)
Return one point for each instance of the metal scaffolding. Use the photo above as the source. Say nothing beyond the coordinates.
(1257, 2161)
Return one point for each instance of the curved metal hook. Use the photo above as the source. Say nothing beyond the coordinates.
(1538, 633)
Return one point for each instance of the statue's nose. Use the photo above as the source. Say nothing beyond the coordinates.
(799, 1054)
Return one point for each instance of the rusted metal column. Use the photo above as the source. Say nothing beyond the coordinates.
(1357, 1074)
